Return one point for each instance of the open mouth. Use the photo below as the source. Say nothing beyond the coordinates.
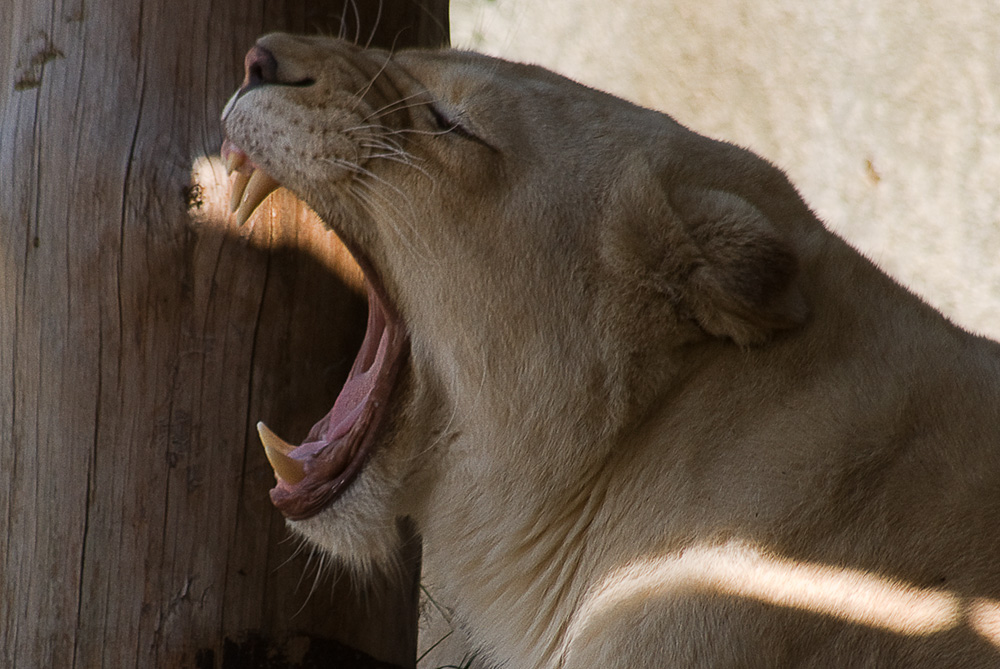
(322, 467)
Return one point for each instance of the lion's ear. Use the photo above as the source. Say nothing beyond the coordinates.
(743, 285)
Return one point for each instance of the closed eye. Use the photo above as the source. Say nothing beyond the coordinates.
(450, 125)
(446, 123)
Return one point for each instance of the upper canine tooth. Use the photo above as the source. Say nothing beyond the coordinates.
(286, 468)
(237, 190)
(259, 187)
(234, 160)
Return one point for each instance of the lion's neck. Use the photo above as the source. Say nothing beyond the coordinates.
(518, 565)
(517, 547)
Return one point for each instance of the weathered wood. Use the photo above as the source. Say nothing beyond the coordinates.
(142, 336)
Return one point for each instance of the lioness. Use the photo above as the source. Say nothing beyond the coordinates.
(644, 409)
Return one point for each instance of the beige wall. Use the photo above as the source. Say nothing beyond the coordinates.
(885, 113)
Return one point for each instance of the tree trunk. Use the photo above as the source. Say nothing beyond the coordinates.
(142, 336)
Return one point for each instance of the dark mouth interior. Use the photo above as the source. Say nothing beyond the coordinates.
(358, 388)
(339, 444)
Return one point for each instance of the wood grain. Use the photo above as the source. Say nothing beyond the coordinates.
(142, 335)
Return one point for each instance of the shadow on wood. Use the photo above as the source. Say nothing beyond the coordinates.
(139, 344)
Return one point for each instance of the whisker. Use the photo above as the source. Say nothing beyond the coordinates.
(384, 143)
(359, 96)
(359, 128)
(394, 106)
(357, 169)
(404, 160)
(388, 147)
(375, 200)
(302, 545)
(378, 19)
(414, 131)
(392, 155)
(342, 33)
(305, 602)
(309, 558)
(434, 18)
(319, 575)
(357, 21)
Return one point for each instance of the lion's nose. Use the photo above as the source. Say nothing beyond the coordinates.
(261, 68)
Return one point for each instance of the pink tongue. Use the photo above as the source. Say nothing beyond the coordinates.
(357, 391)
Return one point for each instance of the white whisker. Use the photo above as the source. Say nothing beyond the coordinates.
(407, 160)
(357, 20)
(359, 96)
(301, 546)
(386, 145)
(359, 128)
(397, 105)
(377, 201)
(414, 131)
(378, 19)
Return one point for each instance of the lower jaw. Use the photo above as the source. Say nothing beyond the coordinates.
(333, 455)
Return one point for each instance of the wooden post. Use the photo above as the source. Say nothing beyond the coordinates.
(142, 336)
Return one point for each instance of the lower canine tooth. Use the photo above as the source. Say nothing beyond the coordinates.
(286, 468)
(259, 187)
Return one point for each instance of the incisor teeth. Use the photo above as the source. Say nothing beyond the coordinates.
(286, 468)
(259, 187)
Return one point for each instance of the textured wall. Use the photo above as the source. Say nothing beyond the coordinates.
(886, 114)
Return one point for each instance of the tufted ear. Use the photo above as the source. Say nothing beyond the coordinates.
(743, 283)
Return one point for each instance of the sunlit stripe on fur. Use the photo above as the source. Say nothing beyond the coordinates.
(848, 594)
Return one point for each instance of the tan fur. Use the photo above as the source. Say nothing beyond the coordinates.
(654, 413)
